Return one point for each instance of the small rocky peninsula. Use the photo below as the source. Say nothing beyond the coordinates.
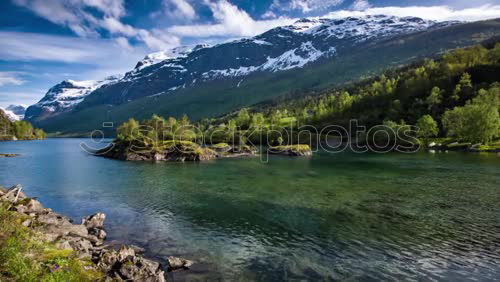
(86, 240)
(186, 151)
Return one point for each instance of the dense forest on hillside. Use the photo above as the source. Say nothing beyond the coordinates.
(456, 96)
(18, 130)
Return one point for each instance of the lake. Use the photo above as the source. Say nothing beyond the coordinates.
(330, 217)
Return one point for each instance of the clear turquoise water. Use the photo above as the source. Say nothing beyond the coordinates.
(329, 217)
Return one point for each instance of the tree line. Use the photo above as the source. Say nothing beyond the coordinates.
(18, 130)
(456, 96)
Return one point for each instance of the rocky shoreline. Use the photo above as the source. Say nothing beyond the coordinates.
(179, 151)
(87, 240)
(461, 147)
(9, 155)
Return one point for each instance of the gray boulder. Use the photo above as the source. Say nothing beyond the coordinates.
(175, 263)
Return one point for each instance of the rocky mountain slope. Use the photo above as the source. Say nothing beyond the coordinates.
(209, 80)
(64, 96)
(280, 49)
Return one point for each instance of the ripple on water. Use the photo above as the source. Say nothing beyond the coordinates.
(329, 217)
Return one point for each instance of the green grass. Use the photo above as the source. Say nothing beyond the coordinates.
(301, 148)
(288, 121)
(220, 146)
(494, 146)
(180, 143)
(24, 257)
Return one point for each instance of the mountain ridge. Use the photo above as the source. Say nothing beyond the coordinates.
(445, 35)
(282, 48)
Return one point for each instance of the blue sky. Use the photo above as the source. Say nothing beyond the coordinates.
(46, 41)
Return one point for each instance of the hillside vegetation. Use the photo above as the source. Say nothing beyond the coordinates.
(456, 96)
(18, 130)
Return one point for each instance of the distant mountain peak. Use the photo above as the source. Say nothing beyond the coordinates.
(160, 56)
(64, 96)
(15, 112)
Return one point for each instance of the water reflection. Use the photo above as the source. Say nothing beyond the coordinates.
(332, 217)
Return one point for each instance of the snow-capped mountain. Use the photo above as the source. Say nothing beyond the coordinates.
(158, 57)
(10, 115)
(284, 48)
(15, 112)
(65, 95)
(312, 52)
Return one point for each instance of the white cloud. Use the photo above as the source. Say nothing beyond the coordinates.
(114, 26)
(305, 6)
(28, 97)
(85, 58)
(269, 15)
(74, 14)
(10, 78)
(180, 9)
(360, 5)
(20, 46)
(437, 13)
(159, 39)
(229, 21)
(123, 42)
(104, 54)
(113, 8)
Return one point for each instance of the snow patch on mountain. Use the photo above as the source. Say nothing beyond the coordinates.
(158, 57)
(322, 35)
(10, 115)
(175, 67)
(69, 93)
(16, 111)
(261, 42)
(369, 27)
(296, 58)
(291, 59)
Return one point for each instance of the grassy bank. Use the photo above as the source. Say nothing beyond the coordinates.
(25, 257)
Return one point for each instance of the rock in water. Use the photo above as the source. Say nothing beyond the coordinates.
(94, 221)
(95, 225)
(175, 263)
(126, 265)
(14, 194)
